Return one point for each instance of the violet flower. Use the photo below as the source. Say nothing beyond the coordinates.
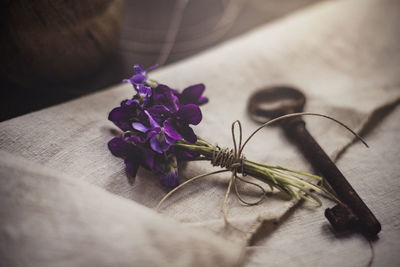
(175, 125)
(143, 95)
(153, 120)
(168, 169)
(174, 117)
(134, 155)
(140, 76)
(192, 95)
(159, 141)
(121, 116)
(170, 178)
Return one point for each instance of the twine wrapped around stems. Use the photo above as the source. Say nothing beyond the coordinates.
(289, 181)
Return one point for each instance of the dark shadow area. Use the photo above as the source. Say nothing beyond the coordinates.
(205, 23)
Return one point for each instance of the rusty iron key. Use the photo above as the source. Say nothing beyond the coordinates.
(353, 213)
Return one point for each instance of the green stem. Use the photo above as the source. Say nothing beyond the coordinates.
(295, 184)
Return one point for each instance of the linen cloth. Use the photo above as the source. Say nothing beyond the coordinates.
(342, 54)
(49, 219)
(306, 238)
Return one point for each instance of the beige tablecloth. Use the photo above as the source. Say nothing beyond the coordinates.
(343, 55)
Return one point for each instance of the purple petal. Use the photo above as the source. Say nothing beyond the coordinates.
(120, 118)
(159, 113)
(202, 100)
(131, 104)
(138, 79)
(163, 95)
(142, 137)
(151, 67)
(190, 114)
(134, 139)
(132, 101)
(147, 157)
(170, 179)
(188, 134)
(123, 115)
(132, 166)
(158, 143)
(171, 129)
(116, 114)
(138, 68)
(144, 90)
(119, 147)
(152, 132)
(193, 95)
(170, 140)
(152, 122)
(140, 127)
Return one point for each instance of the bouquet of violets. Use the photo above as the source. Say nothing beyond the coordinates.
(157, 136)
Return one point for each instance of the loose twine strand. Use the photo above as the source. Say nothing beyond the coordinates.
(233, 161)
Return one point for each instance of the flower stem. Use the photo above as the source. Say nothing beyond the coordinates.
(296, 184)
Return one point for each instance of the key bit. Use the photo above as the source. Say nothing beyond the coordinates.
(352, 213)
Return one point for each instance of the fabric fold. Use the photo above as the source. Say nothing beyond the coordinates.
(49, 219)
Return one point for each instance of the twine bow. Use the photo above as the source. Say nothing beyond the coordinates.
(233, 161)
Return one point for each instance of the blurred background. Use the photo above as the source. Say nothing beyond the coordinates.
(56, 50)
